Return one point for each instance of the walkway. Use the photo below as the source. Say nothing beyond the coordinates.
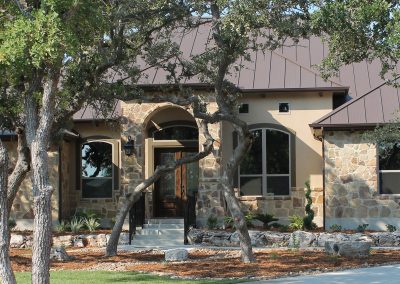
(382, 274)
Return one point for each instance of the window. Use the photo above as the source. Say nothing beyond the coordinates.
(389, 168)
(266, 167)
(284, 108)
(244, 108)
(97, 169)
(177, 132)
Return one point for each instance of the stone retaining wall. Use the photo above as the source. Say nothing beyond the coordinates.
(84, 240)
(296, 239)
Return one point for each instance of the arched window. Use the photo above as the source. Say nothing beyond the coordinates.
(176, 132)
(267, 166)
(97, 169)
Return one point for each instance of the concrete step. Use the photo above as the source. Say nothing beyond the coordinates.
(163, 226)
(156, 241)
(169, 232)
(164, 221)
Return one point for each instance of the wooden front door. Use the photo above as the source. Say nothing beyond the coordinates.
(172, 189)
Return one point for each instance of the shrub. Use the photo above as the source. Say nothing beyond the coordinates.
(391, 228)
(283, 228)
(266, 219)
(248, 217)
(76, 224)
(63, 226)
(87, 214)
(361, 228)
(335, 228)
(296, 222)
(308, 219)
(11, 224)
(212, 222)
(92, 224)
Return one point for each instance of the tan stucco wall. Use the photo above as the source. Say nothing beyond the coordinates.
(305, 108)
(22, 210)
(351, 184)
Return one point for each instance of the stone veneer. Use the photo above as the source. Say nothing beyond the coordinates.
(134, 123)
(284, 206)
(351, 184)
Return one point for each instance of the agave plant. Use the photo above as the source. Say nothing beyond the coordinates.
(63, 226)
(76, 224)
(92, 224)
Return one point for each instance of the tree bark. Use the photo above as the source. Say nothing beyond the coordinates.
(131, 198)
(38, 138)
(6, 272)
(20, 170)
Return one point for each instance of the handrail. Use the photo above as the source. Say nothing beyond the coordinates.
(136, 216)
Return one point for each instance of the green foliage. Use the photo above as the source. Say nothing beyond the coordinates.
(87, 214)
(335, 228)
(76, 224)
(212, 222)
(296, 222)
(308, 219)
(391, 228)
(11, 224)
(63, 226)
(92, 224)
(248, 217)
(361, 228)
(266, 219)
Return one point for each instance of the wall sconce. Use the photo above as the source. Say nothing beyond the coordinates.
(129, 147)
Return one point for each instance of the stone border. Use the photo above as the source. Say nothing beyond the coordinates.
(299, 239)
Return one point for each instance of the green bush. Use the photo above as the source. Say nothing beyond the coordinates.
(391, 228)
(76, 224)
(335, 228)
(296, 222)
(308, 219)
(11, 224)
(212, 222)
(361, 228)
(266, 219)
(92, 224)
(248, 217)
(63, 226)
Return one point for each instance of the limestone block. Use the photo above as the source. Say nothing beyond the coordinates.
(65, 241)
(302, 239)
(123, 238)
(17, 241)
(176, 255)
(78, 243)
(59, 253)
(322, 238)
(355, 249)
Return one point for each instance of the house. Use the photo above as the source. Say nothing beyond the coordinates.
(305, 128)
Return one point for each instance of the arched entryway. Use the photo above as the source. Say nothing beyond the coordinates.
(171, 133)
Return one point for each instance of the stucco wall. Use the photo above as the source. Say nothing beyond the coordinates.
(351, 184)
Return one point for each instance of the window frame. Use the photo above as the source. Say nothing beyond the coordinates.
(264, 175)
(115, 163)
(379, 172)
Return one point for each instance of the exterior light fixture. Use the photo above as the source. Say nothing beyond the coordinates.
(129, 147)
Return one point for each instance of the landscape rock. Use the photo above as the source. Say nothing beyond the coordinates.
(176, 255)
(66, 241)
(302, 239)
(59, 253)
(17, 241)
(355, 249)
(78, 243)
(123, 238)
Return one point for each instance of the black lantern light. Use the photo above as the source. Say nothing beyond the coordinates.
(129, 147)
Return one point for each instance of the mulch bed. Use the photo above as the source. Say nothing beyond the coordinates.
(206, 263)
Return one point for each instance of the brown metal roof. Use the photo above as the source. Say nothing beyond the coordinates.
(89, 113)
(378, 106)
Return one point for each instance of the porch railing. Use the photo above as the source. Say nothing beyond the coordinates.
(189, 216)
(136, 216)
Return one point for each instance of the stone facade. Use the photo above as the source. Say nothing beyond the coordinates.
(284, 206)
(136, 118)
(351, 184)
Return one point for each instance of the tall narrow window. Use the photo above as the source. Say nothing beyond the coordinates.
(389, 168)
(266, 167)
(97, 170)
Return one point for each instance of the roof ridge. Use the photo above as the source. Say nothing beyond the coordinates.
(306, 68)
(353, 100)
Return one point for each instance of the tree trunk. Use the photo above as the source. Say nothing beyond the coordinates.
(37, 133)
(6, 273)
(132, 197)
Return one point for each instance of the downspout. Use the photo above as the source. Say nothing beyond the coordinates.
(323, 179)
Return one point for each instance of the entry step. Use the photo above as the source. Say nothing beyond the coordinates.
(164, 221)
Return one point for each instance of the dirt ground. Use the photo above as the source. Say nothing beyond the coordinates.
(206, 263)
